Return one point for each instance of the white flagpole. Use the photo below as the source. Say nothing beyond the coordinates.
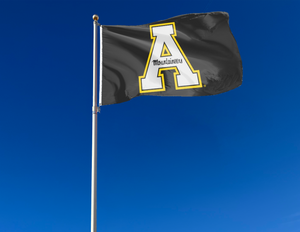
(100, 70)
(94, 130)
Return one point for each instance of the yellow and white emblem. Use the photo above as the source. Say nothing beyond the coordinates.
(166, 54)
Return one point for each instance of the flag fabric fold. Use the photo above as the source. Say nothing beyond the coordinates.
(187, 55)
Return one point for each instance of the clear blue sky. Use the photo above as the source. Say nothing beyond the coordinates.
(224, 163)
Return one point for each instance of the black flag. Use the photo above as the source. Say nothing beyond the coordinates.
(187, 55)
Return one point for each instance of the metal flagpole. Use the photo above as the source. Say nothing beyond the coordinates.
(94, 130)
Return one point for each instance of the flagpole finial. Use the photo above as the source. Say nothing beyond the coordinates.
(95, 17)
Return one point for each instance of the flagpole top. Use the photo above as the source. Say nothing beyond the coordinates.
(96, 17)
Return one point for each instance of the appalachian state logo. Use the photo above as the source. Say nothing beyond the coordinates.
(166, 54)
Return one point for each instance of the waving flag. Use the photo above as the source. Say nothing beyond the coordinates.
(187, 55)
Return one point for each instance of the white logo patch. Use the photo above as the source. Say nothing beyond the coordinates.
(166, 54)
